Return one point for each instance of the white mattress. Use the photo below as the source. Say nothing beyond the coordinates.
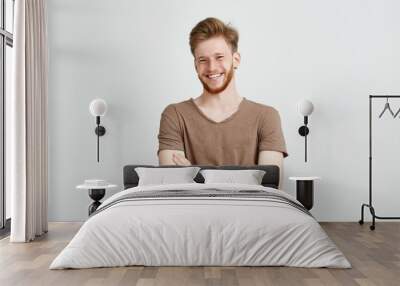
(200, 231)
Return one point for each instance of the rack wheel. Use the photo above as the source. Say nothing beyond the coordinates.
(361, 222)
(372, 227)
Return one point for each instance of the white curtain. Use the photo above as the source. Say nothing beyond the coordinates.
(27, 123)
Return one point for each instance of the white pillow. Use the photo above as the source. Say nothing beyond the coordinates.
(164, 176)
(248, 177)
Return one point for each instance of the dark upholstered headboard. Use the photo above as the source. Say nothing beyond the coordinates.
(270, 179)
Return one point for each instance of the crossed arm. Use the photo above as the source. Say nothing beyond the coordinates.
(172, 157)
(177, 157)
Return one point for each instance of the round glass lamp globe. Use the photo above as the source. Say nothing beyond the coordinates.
(305, 107)
(98, 107)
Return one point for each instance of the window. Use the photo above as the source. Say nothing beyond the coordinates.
(6, 44)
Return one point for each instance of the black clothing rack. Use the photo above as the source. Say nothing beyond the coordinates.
(369, 205)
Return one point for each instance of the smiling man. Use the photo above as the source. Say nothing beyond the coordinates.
(220, 127)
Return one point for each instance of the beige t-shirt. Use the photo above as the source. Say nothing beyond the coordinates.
(237, 140)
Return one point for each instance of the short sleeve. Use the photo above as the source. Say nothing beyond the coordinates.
(170, 136)
(270, 132)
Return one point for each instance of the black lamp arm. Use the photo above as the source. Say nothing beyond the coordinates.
(100, 131)
(303, 131)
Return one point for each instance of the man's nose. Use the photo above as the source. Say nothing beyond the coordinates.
(212, 65)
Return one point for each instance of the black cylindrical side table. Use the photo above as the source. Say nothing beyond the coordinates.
(96, 193)
(305, 190)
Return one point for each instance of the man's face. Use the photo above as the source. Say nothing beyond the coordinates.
(215, 64)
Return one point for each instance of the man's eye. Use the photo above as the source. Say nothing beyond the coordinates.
(202, 61)
(220, 57)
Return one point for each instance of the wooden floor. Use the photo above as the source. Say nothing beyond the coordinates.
(374, 255)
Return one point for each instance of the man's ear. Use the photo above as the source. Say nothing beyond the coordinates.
(236, 60)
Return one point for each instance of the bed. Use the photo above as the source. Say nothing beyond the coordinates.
(201, 224)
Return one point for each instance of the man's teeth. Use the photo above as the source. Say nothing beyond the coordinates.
(215, 75)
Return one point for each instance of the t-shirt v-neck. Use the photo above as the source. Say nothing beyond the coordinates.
(230, 117)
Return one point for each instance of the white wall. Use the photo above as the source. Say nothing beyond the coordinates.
(135, 55)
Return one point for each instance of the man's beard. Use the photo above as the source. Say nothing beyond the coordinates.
(227, 80)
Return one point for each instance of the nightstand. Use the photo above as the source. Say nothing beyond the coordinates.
(305, 190)
(96, 193)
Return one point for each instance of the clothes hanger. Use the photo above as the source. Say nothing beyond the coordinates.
(387, 107)
(398, 111)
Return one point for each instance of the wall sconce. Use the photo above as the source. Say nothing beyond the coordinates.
(98, 107)
(305, 108)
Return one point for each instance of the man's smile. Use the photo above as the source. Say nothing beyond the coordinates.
(215, 77)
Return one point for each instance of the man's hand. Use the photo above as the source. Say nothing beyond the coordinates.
(173, 157)
(180, 160)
